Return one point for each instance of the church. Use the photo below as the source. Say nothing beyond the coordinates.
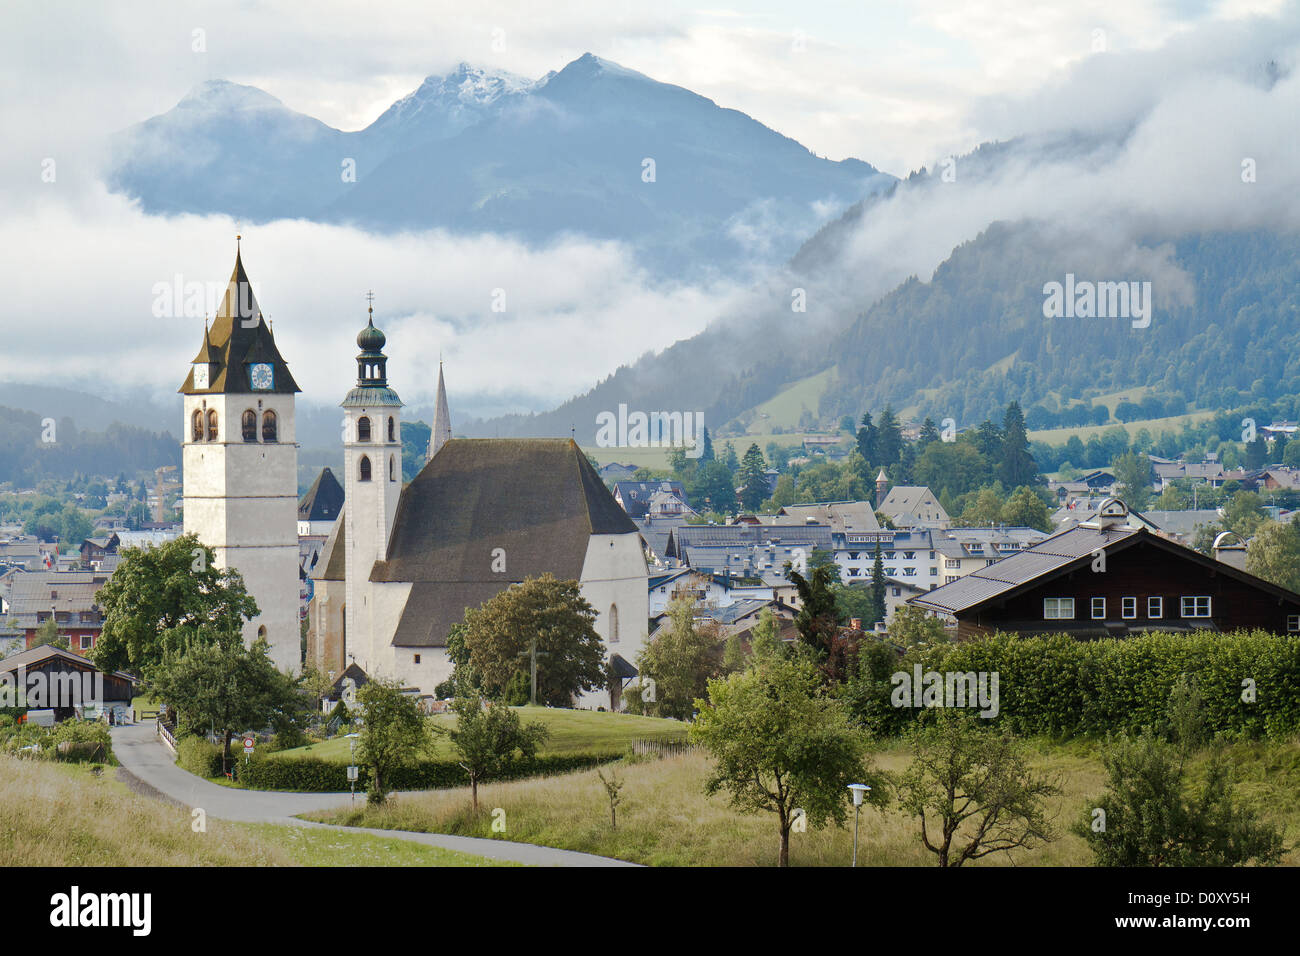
(402, 564)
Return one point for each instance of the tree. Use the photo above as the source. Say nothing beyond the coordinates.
(914, 627)
(1025, 509)
(753, 479)
(48, 633)
(712, 488)
(818, 618)
(977, 788)
(613, 785)
(929, 433)
(984, 510)
(214, 682)
(729, 458)
(1133, 476)
(680, 659)
(1018, 466)
(781, 744)
(1244, 513)
(889, 439)
(393, 733)
(1149, 817)
(499, 636)
(174, 588)
(867, 439)
(1274, 553)
(706, 453)
(957, 466)
(489, 739)
(879, 609)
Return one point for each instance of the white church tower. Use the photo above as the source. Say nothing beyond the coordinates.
(372, 462)
(240, 464)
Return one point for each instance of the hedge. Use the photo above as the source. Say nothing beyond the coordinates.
(1060, 686)
(319, 776)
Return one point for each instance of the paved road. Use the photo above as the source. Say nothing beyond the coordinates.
(150, 762)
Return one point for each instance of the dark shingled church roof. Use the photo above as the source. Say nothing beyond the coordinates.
(538, 500)
(239, 336)
(323, 500)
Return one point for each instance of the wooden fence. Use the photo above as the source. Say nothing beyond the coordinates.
(664, 748)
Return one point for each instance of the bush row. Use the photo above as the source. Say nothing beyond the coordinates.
(1060, 686)
(71, 741)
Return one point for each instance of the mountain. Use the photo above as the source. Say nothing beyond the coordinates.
(594, 149)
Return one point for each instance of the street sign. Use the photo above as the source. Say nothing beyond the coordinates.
(352, 774)
(248, 745)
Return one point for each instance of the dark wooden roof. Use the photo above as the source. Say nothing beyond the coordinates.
(239, 335)
(538, 500)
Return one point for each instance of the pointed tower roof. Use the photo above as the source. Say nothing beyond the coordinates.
(882, 477)
(323, 501)
(440, 433)
(239, 335)
(372, 369)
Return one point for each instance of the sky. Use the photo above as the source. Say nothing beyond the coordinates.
(898, 85)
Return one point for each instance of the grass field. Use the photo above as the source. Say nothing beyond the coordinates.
(571, 731)
(62, 815)
(665, 820)
(1173, 423)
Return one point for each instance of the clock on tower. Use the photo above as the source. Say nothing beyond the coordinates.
(202, 378)
(261, 376)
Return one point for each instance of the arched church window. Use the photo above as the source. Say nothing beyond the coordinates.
(261, 632)
(248, 425)
(392, 467)
(363, 428)
(212, 424)
(269, 424)
(365, 466)
(197, 426)
(392, 429)
(613, 623)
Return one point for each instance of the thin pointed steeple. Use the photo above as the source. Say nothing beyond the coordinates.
(440, 433)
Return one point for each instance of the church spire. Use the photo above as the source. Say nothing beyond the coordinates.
(440, 433)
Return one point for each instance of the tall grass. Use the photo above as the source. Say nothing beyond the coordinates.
(664, 818)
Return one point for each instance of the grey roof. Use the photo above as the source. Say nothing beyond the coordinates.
(635, 495)
(1056, 553)
(839, 515)
(323, 501)
(538, 500)
(36, 656)
(331, 564)
(70, 591)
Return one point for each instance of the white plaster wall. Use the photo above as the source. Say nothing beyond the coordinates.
(614, 572)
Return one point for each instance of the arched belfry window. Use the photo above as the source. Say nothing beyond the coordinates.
(392, 428)
(363, 428)
(365, 467)
(392, 467)
(212, 424)
(248, 425)
(196, 430)
(269, 424)
(613, 623)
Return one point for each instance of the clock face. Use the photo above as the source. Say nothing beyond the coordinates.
(201, 376)
(262, 376)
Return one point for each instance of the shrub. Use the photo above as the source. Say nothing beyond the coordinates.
(80, 741)
(1062, 687)
(199, 756)
(324, 776)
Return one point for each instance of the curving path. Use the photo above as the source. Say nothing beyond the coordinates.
(149, 761)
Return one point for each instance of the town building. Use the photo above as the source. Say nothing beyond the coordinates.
(1110, 577)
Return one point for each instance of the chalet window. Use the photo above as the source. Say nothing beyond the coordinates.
(1098, 608)
(1196, 606)
(365, 468)
(1155, 607)
(1128, 608)
(1293, 622)
(248, 425)
(1057, 609)
(931, 555)
(896, 591)
(934, 572)
(363, 428)
(951, 563)
(269, 429)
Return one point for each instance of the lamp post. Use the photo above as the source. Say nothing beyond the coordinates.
(352, 763)
(858, 790)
